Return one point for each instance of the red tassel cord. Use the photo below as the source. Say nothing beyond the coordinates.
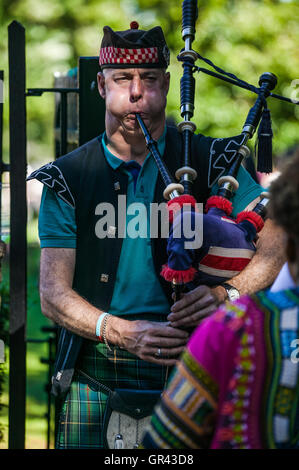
(255, 219)
(220, 203)
(181, 277)
(176, 204)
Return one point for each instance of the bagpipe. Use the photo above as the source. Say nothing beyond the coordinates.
(228, 243)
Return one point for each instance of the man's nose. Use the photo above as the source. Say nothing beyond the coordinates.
(136, 89)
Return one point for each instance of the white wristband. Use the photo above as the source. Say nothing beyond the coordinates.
(99, 324)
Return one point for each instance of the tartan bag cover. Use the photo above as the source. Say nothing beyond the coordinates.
(220, 253)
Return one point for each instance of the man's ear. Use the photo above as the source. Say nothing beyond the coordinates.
(101, 84)
(167, 81)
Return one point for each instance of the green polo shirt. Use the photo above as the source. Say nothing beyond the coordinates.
(137, 289)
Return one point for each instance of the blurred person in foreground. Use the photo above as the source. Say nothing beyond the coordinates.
(237, 383)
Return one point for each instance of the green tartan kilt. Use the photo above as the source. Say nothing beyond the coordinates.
(82, 413)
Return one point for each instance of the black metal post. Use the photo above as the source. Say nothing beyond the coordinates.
(92, 107)
(63, 124)
(18, 246)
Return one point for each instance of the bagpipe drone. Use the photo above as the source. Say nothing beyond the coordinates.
(228, 244)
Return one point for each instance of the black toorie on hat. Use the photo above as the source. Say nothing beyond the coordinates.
(134, 48)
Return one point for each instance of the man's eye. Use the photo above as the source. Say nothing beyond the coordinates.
(151, 79)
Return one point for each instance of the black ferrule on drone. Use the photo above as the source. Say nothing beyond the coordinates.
(186, 174)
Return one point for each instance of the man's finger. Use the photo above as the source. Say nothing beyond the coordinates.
(164, 343)
(166, 353)
(197, 306)
(167, 332)
(195, 318)
(190, 298)
(163, 356)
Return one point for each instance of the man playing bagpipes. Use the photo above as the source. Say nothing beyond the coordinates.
(119, 330)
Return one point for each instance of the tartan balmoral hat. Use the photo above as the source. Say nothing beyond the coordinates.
(134, 48)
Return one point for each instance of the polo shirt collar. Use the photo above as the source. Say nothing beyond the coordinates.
(116, 162)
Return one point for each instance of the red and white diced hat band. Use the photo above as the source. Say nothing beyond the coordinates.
(133, 47)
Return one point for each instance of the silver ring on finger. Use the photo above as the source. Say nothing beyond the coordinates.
(158, 353)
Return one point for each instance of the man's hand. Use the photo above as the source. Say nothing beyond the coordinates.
(194, 306)
(146, 338)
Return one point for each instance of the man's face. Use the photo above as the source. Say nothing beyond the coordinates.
(127, 91)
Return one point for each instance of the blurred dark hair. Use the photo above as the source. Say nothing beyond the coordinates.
(284, 200)
(286, 156)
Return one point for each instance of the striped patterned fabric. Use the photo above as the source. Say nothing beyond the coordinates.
(225, 262)
(186, 416)
(237, 383)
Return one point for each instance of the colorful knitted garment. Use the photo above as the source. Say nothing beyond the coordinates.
(237, 384)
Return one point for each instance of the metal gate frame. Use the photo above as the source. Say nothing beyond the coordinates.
(18, 237)
(18, 208)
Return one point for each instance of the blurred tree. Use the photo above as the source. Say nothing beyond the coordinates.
(246, 37)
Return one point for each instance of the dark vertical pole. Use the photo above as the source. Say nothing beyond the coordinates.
(18, 246)
(92, 109)
(63, 123)
(48, 390)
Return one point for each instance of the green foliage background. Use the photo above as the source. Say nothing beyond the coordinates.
(246, 37)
